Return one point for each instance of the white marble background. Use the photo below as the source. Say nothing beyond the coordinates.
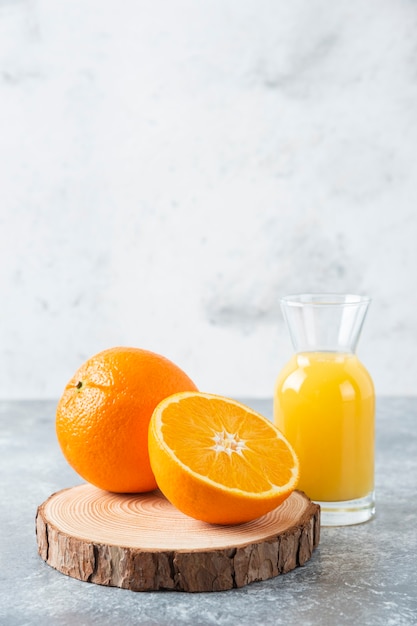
(170, 168)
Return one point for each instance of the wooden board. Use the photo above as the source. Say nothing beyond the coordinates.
(143, 543)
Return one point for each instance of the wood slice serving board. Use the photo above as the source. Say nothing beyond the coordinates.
(143, 543)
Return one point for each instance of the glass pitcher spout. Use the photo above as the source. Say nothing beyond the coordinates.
(324, 322)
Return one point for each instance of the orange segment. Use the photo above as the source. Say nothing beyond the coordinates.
(217, 460)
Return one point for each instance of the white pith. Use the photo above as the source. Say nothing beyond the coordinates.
(228, 442)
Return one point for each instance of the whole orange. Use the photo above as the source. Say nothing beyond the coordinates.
(103, 415)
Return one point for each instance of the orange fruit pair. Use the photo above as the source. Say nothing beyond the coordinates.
(103, 416)
(130, 420)
(217, 460)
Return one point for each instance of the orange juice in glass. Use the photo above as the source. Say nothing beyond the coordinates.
(324, 402)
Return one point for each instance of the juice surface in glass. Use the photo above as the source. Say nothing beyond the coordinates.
(324, 403)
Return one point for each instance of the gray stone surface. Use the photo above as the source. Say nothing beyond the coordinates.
(365, 575)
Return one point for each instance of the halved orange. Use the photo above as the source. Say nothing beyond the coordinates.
(217, 460)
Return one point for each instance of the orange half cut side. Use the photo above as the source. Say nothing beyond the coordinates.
(217, 460)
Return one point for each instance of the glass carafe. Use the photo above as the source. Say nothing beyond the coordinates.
(324, 403)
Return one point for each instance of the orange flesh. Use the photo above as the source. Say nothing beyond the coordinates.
(232, 449)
